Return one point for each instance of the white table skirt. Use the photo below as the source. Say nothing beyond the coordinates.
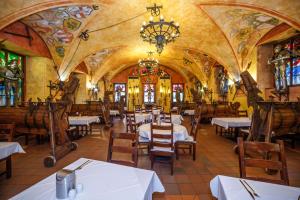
(179, 132)
(9, 148)
(114, 112)
(83, 120)
(101, 181)
(229, 188)
(227, 122)
(189, 112)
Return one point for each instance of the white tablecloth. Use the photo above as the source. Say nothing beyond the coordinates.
(180, 132)
(83, 120)
(229, 188)
(141, 117)
(189, 112)
(176, 119)
(101, 181)
(9, 148)
(114, 112)
(227, 122)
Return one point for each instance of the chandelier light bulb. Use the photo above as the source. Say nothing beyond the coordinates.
(151, 19)
(144, 23)
(177, 24)
(161, 17)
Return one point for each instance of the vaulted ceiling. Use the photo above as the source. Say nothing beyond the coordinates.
(212, 31)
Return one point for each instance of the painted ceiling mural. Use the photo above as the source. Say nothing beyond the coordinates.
(60, 26)
(95, 60)
(242, 27)
(203, 61)
(203, 31)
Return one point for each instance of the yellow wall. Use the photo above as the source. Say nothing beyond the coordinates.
(39, 70)
(82, 92)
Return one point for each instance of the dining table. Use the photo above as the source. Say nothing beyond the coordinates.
(231, 122)
(7, 149)
(100, 181)
(83, 123)
(179, 132)
(232, 188)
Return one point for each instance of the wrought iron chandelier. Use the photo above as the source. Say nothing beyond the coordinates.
(159, 32)
(148, 63)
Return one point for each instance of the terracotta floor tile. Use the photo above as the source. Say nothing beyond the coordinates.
(186, 188)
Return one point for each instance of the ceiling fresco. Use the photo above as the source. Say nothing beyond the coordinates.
(242, 27)
(95, 60)
(212, 31)
(60, 26)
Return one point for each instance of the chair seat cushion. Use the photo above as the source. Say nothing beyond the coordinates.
(162, 149)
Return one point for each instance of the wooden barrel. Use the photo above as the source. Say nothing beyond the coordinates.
(23, 117)
(284, 120)
(207, 110)
(36, 121)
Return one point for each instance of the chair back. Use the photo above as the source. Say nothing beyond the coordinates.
(6, 132)
(195, 126)
(131, 148)
(242, 113)
(162, 137)
(130, 121)
(265, 149)
(167, 118)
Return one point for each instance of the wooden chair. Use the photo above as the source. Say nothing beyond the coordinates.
(242, 113)
(143, 143)
(130, 118)
(72, 131)
(7, 132)
(263, 148)
(130, 149)
(191, 142)
(162, 145)
(167, 118)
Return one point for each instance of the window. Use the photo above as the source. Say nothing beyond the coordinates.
(119, 91)
(11, 78)
(177, 92)
(287, 71)
(149, 93)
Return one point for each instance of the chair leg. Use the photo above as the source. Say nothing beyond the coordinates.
(8, 167)
(172, 166)
(152, 161)
(194, 152)
(176, 151)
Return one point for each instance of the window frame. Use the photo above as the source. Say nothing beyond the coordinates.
(290, 42)
(23, 87)
(174, 92)
(125, 86)
(154, 95)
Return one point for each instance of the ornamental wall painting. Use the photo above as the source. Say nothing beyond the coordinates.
(242, 27)
(59, 26)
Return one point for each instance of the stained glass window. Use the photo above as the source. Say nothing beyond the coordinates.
(177, 89)
(119, 91)
(12, 66)
(292, 64)
(149, 93)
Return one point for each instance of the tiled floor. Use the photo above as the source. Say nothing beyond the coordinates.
(190, 180)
